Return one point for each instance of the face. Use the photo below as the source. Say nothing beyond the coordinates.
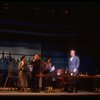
(49, 60)
(36, 56)
(24, 59)
(72, 53)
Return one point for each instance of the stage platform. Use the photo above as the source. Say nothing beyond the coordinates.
(54, 92)
(14, 93)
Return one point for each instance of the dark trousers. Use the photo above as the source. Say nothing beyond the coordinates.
(30, 83)
(35, 82)
(46, 80)
(73, 86)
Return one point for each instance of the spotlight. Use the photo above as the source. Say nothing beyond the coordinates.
(5, 5)
(66, 11)
(53, 11)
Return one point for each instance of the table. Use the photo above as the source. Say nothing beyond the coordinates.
(93, 77)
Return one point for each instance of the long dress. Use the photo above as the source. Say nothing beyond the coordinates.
(23, 74)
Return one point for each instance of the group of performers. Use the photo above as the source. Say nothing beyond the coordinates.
(38, 66)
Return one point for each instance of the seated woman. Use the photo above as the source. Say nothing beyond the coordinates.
(47, 67)
(50, 70)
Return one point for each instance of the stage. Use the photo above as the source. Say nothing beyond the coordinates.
(13, 93)
(85, 90)
(54, 92)
(5, 94)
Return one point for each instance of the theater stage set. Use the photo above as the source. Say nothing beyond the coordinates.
(52, 29)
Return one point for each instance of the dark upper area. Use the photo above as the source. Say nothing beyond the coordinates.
(56, 25)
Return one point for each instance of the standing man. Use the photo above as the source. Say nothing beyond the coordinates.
(37, 65)
(73, 62)
(73, 65)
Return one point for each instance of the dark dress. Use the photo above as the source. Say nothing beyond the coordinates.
(46, 71)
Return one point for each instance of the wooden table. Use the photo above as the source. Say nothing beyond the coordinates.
(93, 77)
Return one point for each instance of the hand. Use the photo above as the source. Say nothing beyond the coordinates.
(74, 70)
(52, 68)
(71, 74)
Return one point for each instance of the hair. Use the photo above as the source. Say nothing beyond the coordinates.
(74, 50)
(23, 56)
(48, 58)
(37, 54)
(68, 51)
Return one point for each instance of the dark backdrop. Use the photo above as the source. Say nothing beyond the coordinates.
(57, 26)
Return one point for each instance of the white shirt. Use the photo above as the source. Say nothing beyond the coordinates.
(71, 58)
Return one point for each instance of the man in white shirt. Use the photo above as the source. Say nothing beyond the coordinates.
(73, 62)
(73, 65)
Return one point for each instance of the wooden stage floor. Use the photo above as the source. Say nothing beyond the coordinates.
(14, 93)
(55, 92)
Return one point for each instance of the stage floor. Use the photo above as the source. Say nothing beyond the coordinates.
(3, 93)
(55, 92)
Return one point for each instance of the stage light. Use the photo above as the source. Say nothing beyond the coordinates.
(5, 5)
(36, 8)
(66, 11)
(52, 11)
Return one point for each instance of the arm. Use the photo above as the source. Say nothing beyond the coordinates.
(77, 64)
(68, 63)
(20, 65)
